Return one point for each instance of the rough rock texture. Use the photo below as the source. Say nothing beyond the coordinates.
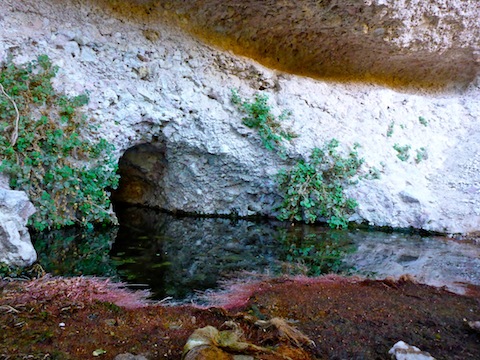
(150, 83)
(403, 351)
(15, 246)
(395, 42)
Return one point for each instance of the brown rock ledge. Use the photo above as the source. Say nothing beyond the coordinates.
(354, 40)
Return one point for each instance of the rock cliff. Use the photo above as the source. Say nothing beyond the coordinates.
(383, 73)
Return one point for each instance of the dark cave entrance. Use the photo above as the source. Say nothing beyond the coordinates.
(141, 169)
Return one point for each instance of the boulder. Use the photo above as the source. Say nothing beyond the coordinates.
(403, 351)
(16, 248)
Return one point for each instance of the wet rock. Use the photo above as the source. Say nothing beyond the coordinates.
(403, 351)
(207, 353)
(16, 248)
(204, 344)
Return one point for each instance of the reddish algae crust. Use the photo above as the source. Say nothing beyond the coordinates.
(347, 318)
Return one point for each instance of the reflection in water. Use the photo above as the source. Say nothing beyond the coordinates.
(177, 256)
(73, 252)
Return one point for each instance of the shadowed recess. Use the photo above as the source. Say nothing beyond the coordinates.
(332, 40)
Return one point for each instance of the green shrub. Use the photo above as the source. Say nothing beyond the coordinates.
(423, 121)
(403, 152)
(314, 189)
(390, 129)
(45, 151)
(422, 154)
(260, 117)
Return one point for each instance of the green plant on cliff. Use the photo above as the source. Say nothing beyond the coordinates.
(259, 116)
(45, 150)
(403, 151)
(314, 188)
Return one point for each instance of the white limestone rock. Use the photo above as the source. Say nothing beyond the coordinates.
(16, 249)
(403, 351)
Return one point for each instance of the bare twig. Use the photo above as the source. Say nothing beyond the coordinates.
(9, 309)
(14, 137)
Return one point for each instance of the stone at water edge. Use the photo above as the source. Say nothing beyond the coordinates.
(475, 325)
(403, 351)
(16, 248)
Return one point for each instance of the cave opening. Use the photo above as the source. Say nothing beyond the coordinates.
(141, 169)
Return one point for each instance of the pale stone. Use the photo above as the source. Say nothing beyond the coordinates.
(16, 249)
(403, 351)
(72, 49)
(87, 54)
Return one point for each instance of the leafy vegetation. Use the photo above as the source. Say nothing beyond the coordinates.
(45, 150)
(11, 272)
(390, 129)
(373, 174)
(259, 116)
(314, 189)
(423, 121)
(422, 154)
(76, 251)
(403, 152)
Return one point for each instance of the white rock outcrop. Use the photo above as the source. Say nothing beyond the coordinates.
(150, 83)
(16, 249)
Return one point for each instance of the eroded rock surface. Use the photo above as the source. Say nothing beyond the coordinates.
(395, 42)
(15, 246)
(150, 83)
(403, 351)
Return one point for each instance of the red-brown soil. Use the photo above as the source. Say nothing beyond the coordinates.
(346, 319)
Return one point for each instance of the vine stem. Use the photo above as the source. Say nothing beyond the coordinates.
(14, 137)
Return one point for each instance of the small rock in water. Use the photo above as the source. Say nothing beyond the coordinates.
(403, 351)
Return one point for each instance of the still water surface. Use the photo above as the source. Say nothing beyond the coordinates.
(180, 257)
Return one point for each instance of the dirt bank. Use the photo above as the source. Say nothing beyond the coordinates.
(345, 318)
